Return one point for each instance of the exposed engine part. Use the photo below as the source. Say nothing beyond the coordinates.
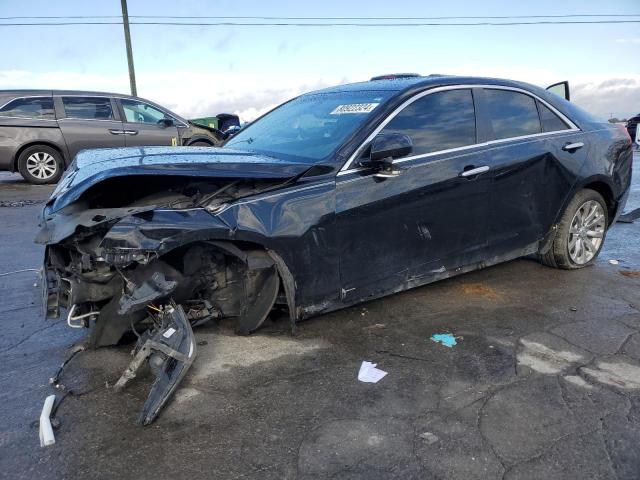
(200, 312)
(80, 320)
(170, 348)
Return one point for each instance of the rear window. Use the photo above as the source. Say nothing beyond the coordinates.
(512, 114)
(30, 107)
(550, 121)
(88, 108)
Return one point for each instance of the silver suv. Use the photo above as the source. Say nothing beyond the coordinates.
(42, 130)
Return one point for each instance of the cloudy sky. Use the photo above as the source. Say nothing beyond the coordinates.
(204, 70)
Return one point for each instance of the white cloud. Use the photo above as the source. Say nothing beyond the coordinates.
(194, 94)
(628, 40)
(191, 94)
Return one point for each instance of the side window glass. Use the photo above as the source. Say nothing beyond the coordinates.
(88, 108)
(512, 114)
(550, 121)
(439, 121)
(33, 107)
(140, 112)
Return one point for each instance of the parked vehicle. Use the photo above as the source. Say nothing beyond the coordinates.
(42, 130)
(632, 128)
(334, 198)
(227, 123)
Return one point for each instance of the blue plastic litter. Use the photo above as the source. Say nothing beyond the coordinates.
(445, 339)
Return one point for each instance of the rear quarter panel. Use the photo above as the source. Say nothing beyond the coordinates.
(17, 133)
(609, 160)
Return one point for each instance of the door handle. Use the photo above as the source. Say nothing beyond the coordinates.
(114, 131)
(571, 147)
(130, 132)
(473, 171)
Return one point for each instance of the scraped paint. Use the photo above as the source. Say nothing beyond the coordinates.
(445, 339)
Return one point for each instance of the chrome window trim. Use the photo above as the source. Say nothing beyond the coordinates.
(73, 119)
(346, 167)
(29, 118)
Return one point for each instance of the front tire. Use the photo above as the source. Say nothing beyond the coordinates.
(40, 165)
(580, 233)
(200, 144)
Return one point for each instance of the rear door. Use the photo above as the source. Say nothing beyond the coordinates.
(88, 121)
(431, 218)
(532, 174)
(146, 125)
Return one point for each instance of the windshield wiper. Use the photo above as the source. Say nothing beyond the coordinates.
(249, 140)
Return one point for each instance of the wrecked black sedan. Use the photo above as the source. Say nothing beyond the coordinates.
(333, 198)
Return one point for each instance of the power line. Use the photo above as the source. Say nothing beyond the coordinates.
(220, 17)
(329, 24)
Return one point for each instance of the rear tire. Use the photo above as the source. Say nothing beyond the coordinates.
(40, 165)
(200, 144)
(580, 232)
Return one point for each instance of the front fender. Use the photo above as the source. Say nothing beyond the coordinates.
(160, 231)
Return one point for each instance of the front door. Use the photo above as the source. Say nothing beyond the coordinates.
(402, 231)
(88, 122)
(146, 125)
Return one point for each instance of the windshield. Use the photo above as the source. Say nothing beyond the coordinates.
(311, 126)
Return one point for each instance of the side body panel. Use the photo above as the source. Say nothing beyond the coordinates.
(17, 133)
(426, 220)
(531, 182)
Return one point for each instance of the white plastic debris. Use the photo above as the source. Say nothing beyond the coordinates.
(46, 430)
(614, 262)
(369, 373)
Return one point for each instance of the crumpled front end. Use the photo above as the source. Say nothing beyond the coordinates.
(153, 265)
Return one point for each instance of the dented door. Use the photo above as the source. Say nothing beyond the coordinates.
(427, 220)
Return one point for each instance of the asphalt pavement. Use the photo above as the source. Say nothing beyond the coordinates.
(543, 382)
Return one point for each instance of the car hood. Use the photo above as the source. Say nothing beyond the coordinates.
(91, 167)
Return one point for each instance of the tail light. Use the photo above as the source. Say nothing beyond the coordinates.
(623, 128)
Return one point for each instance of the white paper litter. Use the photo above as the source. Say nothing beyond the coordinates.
(614, 262)
(369, 373)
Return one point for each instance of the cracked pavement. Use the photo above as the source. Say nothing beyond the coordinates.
(544, 381)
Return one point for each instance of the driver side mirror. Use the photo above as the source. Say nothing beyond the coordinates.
(166, 122)
(390, 146)
(385, 148)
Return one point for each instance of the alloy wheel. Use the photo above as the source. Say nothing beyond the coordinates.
(42, 165)
(586, 232)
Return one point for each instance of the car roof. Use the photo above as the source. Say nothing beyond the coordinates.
(409, 83)
(62, 92)
(401, 87)
(8, 94)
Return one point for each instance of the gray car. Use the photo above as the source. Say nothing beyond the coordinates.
(41, 131)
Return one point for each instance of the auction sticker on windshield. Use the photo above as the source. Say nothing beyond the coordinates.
(354, 108)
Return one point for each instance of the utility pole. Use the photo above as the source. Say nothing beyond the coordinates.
(127, 40)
